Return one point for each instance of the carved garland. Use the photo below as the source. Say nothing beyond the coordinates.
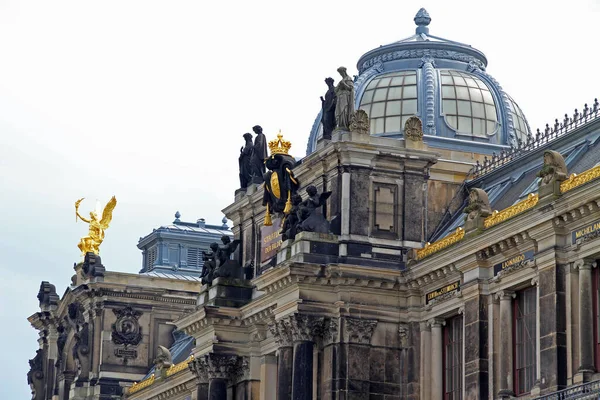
(419, 53)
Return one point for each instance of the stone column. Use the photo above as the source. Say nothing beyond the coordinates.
(304, 330)
(268, 378)
(282, 332)
(345, 211)
(586, 319)
(437, 362)
(506, 344)
(359, 359)
(425, 361)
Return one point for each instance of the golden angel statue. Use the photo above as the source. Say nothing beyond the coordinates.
(91, 243)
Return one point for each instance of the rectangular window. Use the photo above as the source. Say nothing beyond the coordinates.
(525, 343)
(453, 358)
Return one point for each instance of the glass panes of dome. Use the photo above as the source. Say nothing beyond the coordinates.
(519, 123)
(467, 103)
(389, 100)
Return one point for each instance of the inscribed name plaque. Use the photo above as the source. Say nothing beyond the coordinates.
(587, 232)
(451, 288)
(513, 262)
(271, 240)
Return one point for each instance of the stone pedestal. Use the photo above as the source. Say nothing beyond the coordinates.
(226, 292)
(318, 248)
(285, 251)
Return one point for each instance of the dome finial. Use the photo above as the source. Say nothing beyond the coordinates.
(422, 19)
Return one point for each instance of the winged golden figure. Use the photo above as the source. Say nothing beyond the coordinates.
(91, 242)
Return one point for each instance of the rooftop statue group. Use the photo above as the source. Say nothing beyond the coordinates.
(337, 107)
(252, 158)
(218, 262)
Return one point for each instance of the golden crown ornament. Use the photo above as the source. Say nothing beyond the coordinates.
(279, 145)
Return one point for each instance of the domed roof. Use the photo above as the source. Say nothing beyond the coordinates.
(442, 82)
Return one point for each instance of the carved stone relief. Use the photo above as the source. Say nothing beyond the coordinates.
(127, 330)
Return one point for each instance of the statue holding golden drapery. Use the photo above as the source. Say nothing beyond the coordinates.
(280, 183)
(91, 242)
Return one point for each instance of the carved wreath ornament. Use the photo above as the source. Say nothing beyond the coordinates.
(126, 330)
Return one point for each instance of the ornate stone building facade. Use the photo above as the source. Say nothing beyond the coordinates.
(459, 261)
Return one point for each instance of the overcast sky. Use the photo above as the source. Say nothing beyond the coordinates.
(148, 101)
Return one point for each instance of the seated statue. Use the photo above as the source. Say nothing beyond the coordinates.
(210, 264)
(552, 173)
(309, 215)
(163, 361)
(478, 208)
(226, 267)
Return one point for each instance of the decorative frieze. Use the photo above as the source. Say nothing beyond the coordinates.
(512, 211)
(359, 330)
(441, 244)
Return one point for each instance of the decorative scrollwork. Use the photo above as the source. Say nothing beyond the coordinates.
(501, 216)
(577, 180)
(441, 244)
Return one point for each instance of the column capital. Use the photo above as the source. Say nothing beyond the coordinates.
(436, 322)
(298, 328)
(218, 366)
(584, 264)
(505, 295)
(359, 330)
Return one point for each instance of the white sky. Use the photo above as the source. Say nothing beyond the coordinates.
(148, 100)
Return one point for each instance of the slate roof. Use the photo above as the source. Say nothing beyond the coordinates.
(515, 180)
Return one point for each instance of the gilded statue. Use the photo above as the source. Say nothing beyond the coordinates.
(91, 242)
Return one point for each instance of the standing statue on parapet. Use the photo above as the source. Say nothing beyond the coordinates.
(259, 155)
(245, 161)
(91, 243)
(328, 105)
(309, 213)
(344, 108)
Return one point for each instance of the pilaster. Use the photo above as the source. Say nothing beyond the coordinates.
(586, 320)
(437, 362)
(506, 344)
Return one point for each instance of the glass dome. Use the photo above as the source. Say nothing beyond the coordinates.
(442, 82)
(467, 104)
(389, 100)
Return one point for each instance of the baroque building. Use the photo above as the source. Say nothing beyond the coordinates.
(435, 249)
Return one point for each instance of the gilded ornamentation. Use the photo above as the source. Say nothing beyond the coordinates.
(360, 122)
(279, 145)
(578, 180)
(501, 216)
(441, 244)
(136, 387)
(91, 242)
(413, 129)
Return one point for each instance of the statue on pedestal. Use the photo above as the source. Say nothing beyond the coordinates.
(245, 162)
(91, 243)
(478, 209)
(280, 183)
(259, 155)
(552, 174)
(311, 218)
(226, 267)
(328, 105)
(163, 361)
(344, 108)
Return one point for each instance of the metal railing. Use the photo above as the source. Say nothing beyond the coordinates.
(532, 142)
(583, 391)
